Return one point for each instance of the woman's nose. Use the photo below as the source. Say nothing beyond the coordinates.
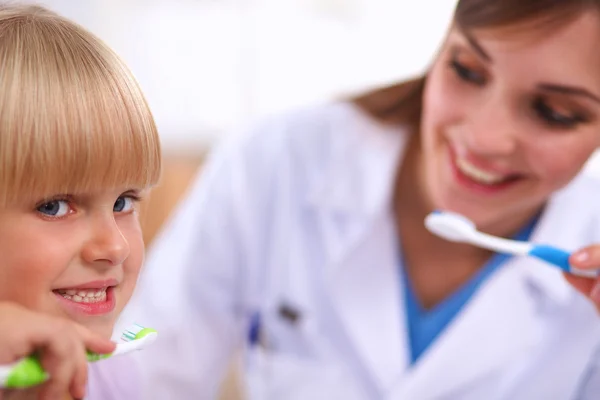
(492, 131)
(106, 244)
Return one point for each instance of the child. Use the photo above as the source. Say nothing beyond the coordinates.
(78, 150)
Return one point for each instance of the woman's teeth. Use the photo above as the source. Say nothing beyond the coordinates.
(478, 175)
(84, 295)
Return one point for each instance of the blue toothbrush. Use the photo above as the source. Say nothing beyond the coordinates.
(458, 228)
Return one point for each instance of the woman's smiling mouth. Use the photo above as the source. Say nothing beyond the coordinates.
(484, 180)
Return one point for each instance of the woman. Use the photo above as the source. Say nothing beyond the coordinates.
(303, 242)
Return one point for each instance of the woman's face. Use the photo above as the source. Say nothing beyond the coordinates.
(510, 117)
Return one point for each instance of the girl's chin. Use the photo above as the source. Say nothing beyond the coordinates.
(103, 328)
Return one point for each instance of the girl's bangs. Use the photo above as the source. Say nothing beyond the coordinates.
(72, 118)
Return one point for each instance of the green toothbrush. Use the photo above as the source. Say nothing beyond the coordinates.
(28, 371)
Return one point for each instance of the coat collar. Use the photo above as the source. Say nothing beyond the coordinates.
(358, 180)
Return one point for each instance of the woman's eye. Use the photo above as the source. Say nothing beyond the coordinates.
(555, 118)
(467, 74)
(55, 208)
(123, 204)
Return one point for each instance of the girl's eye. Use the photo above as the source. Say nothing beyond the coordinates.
(554, 118)
(55, 208)
(123, 204)
(467, 74)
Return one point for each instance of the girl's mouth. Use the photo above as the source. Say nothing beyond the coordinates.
(87, 301)
(83, 295)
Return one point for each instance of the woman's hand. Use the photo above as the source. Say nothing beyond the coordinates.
(586, 258)
(62, 345)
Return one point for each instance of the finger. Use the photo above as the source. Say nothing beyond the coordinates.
(19, 347)
(94, 342)
(22, 337)
(58, 359)
(61, 369)
(586, 286)
(79, 382)
(65, 345)
(588, 257)
(583, 285)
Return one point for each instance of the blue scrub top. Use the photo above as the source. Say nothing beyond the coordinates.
(425, 325)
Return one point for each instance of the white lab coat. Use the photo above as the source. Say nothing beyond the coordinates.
(293, 220)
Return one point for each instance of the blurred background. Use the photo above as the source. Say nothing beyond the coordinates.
(210, 67)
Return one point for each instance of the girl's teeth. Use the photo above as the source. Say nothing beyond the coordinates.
(485, 177)
(84, 296)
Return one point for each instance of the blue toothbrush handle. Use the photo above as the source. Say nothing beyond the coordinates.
(560, 258)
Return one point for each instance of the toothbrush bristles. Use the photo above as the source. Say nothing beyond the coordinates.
(129, 335)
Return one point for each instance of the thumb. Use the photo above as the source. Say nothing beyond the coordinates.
(586, 258)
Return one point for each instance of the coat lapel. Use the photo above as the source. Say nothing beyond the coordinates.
(365, 294)
(497, 326)
(352, 201)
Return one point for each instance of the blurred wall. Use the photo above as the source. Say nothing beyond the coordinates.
(209, 66)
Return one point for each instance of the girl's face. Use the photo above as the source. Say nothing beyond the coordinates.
(76, 256)
(510, 117)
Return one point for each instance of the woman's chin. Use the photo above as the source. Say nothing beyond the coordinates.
(479, 214)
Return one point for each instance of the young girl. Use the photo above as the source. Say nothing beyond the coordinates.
(78, 150)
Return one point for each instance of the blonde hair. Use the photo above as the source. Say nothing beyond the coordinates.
(72, 116)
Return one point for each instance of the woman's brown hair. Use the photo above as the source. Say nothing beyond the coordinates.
(401, 102)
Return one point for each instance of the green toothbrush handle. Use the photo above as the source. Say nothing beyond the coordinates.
(27, 373)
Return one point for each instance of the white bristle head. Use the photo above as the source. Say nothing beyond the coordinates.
(128, 335)
(450, 226)
(131, 332)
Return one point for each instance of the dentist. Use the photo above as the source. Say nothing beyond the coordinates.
(302, 243)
